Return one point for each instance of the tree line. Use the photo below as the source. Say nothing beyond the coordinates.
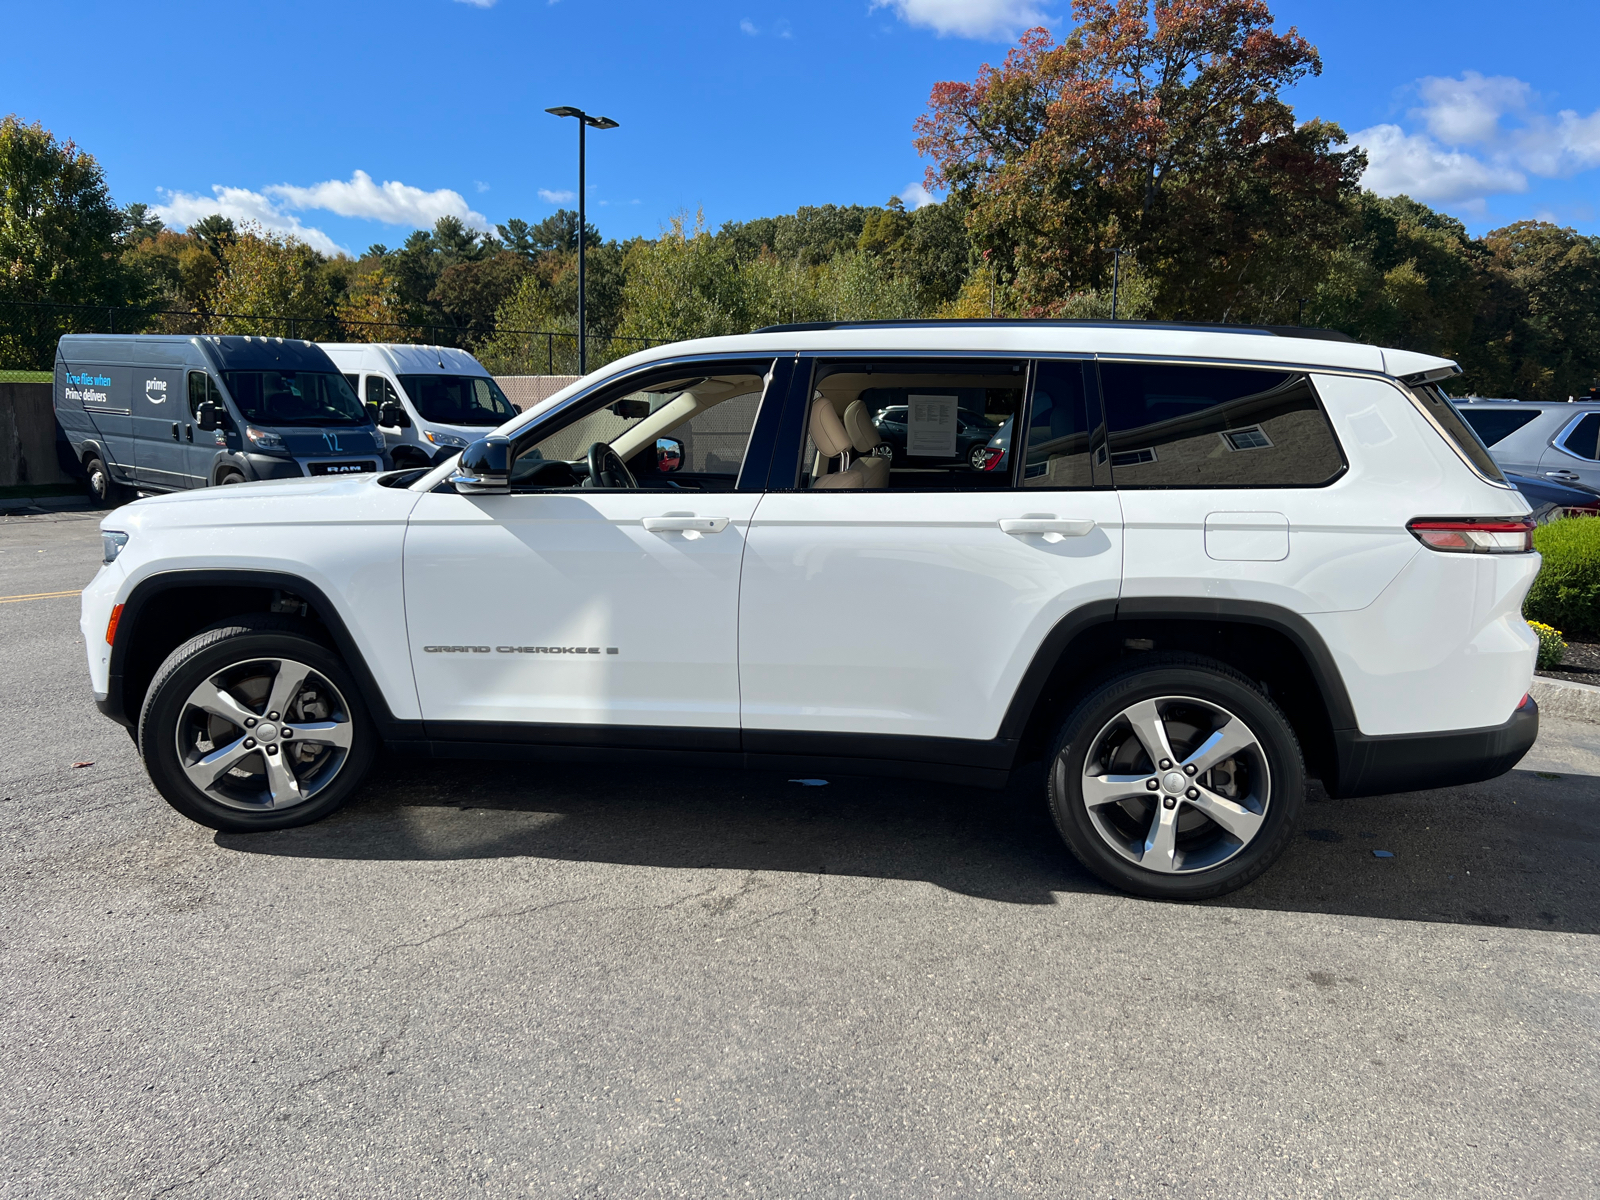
(1158, 132)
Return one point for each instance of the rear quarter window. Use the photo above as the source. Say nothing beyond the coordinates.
(1181, 426)
(1465, 439)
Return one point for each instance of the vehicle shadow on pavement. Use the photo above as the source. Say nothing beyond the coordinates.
(1520, 851)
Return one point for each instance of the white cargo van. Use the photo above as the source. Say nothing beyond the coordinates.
(444, 397)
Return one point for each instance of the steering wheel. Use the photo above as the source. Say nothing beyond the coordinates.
(606, 469)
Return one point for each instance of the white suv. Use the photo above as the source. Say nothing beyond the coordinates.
(1214, 561)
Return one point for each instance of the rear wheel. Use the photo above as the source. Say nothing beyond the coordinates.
(255, 726)
(1178, 779)
(103, 490)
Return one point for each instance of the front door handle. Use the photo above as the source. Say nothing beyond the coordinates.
(189, 432)
(1562, 476)
(1054, 529)
(685, 523)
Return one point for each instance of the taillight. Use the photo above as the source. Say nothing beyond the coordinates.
(992, 457)
(1474, 536)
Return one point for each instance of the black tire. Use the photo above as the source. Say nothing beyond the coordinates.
(209, 654)
(229, 478)
(1188, 686)
(103, 490)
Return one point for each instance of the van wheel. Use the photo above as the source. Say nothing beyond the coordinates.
(229, 477)
(251, 725)
(1177, 779)
(103, 490)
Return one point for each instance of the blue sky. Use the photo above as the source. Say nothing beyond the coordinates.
(354, 123)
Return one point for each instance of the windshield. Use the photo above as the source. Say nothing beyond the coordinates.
(294, 398)
(458, 399)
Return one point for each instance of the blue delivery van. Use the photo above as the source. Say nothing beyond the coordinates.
(160, 413)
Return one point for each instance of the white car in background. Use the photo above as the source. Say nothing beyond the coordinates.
(430, 402)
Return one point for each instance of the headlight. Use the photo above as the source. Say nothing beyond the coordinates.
(112, 543)
(452, 440)
(262, 440)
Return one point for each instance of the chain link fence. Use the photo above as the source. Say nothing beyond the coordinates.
(29, 331)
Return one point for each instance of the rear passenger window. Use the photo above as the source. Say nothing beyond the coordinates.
(1496, 424)
(1058, 430)
(1584, 440)
(1192, 426)
(911, 425)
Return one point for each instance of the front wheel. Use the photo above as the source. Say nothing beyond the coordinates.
(252, 726)
(1177, 779)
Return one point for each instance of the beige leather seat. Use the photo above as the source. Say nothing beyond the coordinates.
(858, 424)
(829, 435)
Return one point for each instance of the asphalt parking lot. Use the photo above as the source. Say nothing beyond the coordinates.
(524, 980)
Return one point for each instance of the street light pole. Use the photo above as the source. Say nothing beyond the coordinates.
(584, 121)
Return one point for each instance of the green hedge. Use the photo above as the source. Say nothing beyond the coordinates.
(1567, 592)
(26, 377)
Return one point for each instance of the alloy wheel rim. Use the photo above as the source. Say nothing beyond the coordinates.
(264, 734)
(1176, 784)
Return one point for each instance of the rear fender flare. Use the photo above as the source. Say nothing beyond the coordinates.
(1291, 625)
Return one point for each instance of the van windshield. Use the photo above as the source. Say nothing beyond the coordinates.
(458, 399)
(294, 398)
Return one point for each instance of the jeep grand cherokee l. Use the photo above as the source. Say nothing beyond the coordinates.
(1216, 561)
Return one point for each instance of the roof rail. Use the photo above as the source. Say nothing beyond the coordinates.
(1294, 331)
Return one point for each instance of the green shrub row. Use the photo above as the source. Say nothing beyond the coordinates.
(1566, 595)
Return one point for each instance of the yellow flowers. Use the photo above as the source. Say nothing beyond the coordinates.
(1552, 649)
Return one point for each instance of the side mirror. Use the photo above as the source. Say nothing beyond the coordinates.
(206, 417)
(392, 415)
(484, 467)
(669, 455)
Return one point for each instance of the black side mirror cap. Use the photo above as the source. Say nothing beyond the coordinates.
(206, 417)
(392, 415)
(484, 467)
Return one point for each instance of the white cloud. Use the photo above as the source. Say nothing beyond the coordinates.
(748, 28)
(484, 3)
(1467, 111)
(480, 186)
(550, 197)
(1562, 147)
(240, 205)
(391, 202)
(1424, 170)
(1484, 136)
(916, 196)
(995, 20)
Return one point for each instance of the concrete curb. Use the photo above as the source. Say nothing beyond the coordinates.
(1569, 701)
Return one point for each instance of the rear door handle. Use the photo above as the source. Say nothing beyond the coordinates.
(684, 523)
(1048, 526)
(174, 431)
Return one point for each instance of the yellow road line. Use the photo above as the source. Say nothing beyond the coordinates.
(40, 596)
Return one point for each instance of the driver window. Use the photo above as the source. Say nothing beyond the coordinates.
(684, 431)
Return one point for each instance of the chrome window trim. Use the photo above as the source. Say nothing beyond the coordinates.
(1567, 430)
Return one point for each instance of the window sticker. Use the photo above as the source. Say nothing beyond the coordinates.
(931, 426)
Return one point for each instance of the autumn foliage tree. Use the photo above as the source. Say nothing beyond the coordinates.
(1157, 128)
